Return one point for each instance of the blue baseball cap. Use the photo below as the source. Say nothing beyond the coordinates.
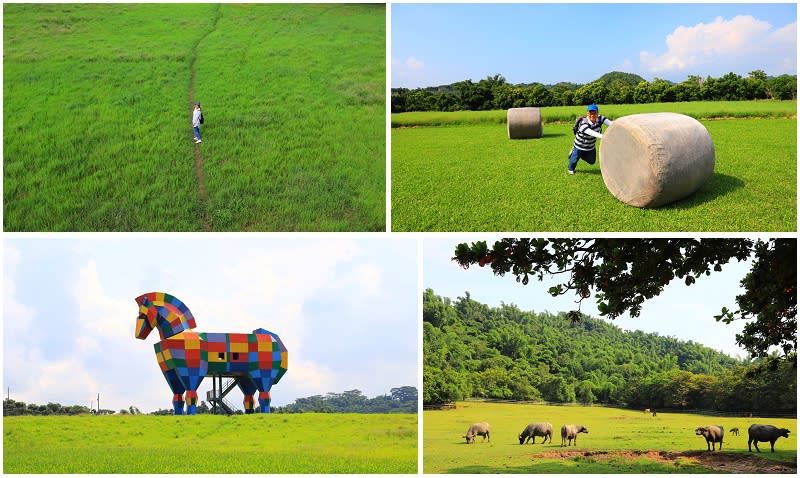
(198, 104)
(592, 107)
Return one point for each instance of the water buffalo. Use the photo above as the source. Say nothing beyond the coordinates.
(475, 429)
(713, 434)
(735, 431)
(534, 430)
(757, 433)
(570, 433)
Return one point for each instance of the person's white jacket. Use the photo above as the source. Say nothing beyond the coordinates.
(196, 117)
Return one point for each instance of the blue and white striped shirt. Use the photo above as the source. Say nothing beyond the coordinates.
(583, 140)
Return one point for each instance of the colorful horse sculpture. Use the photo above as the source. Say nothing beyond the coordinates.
(257, 361)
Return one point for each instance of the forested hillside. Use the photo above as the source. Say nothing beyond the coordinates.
(473, 350)
(494, 93)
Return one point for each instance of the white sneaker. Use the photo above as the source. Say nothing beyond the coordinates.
(198, 141)
(570, 171)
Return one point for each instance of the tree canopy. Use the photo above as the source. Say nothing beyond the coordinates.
(494, 92)
(626, 272)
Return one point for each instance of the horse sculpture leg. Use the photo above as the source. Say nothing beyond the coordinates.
(177, 389)
(177, 403)
(191, 402)
(264, 400)
(248, 388)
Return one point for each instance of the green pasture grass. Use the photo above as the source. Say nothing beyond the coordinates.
(473, 178)
(555, 114)
(274, 443)
(626, 435)
(96, 114)
(305, 120)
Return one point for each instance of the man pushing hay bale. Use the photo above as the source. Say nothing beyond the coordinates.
(652, 159)
(524, 123)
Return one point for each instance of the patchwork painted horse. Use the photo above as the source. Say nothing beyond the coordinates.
(257, 361)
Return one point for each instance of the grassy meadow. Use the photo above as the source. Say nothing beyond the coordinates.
(466, 175)
(97, 117)
(619, 441)
(269, 443)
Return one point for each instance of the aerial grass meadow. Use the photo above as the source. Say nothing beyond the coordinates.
(460, 172)
(619, 441)
(268, 443)
(97, 130)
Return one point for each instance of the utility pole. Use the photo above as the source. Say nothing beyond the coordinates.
(98, 403)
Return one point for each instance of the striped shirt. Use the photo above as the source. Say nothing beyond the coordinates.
(585, 141)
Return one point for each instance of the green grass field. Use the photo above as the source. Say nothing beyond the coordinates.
(468, 176)
(619, 441)
(275, 443)
(97, 117)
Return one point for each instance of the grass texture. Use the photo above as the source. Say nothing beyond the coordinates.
(269, 443)
(473, 178)
(619, 441)
(555, 114)
(97, 117)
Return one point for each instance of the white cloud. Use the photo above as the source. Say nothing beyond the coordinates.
(406, 71)
(742, 42)
(17, 317)
(306, 378)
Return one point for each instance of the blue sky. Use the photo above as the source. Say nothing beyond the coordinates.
(435, 44)
(680, 311)
(346, 309)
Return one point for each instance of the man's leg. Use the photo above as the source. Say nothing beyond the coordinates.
(573, 160)
(589, 156)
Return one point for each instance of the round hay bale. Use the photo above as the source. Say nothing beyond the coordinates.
(648, 160)
(524, 123)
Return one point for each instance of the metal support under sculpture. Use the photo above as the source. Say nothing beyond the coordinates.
(257, 361)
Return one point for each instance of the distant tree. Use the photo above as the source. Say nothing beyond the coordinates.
(642, 93)
(584, 392)
(626, 272)
(405, 394)
(782, 87)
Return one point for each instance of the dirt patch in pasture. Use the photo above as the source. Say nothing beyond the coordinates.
(716, 461)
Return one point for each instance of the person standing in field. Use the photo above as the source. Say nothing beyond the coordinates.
(587, 131)
(196, 120)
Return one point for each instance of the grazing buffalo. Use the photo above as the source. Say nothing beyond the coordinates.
(570, 433)
(757, 433)
(713, 434)
(475, 429)
(735, 431)
(534, 430)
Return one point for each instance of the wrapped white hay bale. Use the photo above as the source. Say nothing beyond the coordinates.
(524, 123)
(648, 160)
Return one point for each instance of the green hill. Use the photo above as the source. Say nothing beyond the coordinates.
(473, 350)
(627, 78)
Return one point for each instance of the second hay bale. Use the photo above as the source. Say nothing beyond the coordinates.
(524, 123)
(648, 160)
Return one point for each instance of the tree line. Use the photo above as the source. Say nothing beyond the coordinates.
(399, 400)
(494, 92)
(472, 350)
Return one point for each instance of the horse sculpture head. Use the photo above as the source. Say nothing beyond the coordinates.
(164, 312)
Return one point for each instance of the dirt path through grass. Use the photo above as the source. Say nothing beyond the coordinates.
(198, 154)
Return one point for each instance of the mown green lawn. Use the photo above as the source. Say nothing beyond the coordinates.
(97, 132)
(471, 177)
(274, 443)
(619, 441)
